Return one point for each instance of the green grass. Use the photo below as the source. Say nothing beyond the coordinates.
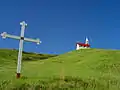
(90, 69)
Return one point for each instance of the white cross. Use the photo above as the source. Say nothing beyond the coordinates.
(22, 39)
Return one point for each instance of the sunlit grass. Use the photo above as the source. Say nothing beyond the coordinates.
(90, 69)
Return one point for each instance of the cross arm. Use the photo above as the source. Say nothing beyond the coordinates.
(32, 40)
(5, 35)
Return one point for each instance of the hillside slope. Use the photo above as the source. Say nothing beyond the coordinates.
(8, 61)
(101, 65)
(92, 62)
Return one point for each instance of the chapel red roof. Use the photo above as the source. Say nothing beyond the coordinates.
(84, 45)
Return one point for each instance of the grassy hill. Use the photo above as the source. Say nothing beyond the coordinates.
(90, 69)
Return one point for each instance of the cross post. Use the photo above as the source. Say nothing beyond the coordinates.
(22, 39)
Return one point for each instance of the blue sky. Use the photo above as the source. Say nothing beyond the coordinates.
(61, 23)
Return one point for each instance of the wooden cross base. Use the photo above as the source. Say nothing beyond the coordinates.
(18, 75)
